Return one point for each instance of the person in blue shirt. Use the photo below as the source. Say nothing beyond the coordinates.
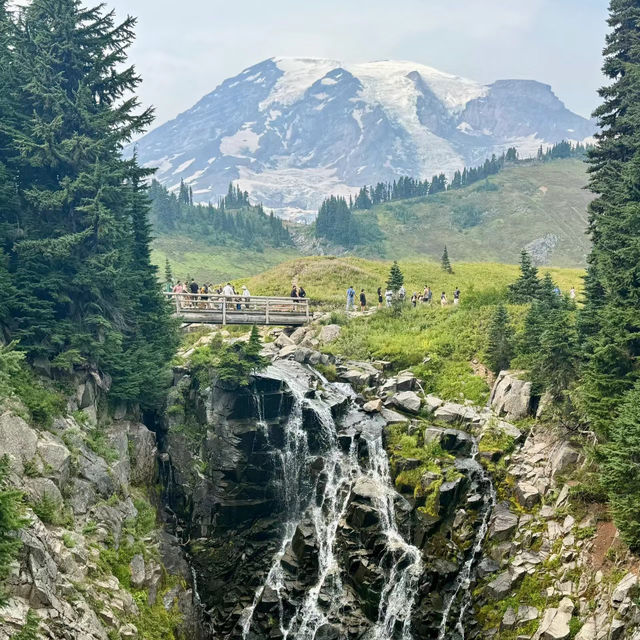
(351, 297)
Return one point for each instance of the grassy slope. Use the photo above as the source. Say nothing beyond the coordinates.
(326, 278)
(438, 344)
(190, 258)
(530, 201)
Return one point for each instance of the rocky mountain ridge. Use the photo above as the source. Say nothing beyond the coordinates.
(291, 131)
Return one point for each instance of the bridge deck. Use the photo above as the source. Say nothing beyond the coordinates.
(218, 309)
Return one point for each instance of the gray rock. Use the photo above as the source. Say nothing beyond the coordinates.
(617, 629)
(408, 401)
(298, 335)
(511, 396)
(454, 440)
(284, 340)
(528, 496)
(503, 523)
(406, 381)
(526, 614)
(288, 351)
(625, 588)
(563, 457)
(589, 631)
(433, 402)
(137, 569)
(329, 333)
(451, 412)
(555, 622)
(56, 459)
(142, 454)
(500, 587)
(509, 619)
(18, 441)
(42, 488)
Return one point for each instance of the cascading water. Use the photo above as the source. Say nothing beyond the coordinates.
(463, 581)
(342, 470)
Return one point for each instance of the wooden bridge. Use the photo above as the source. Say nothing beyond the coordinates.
(203, 308)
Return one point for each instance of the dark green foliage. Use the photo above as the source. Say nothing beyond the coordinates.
(619, 468)
(11, 520)
(168, 273)
(234, 222)
(467, 216)
(73, 224)
(526, 287)
(445, 263)
(336, 223)
(30, 629)
(500, 345)
(611, 321)
(396, 278)
(230, 365)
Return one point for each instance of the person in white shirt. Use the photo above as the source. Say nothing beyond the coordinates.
(388, 294)
(228, 290)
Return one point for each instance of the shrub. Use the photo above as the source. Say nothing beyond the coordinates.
(30, 629)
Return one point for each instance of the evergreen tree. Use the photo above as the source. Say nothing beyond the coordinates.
(253, 350)
(168, 273)
(614, 220)
(445, 263)
(396, 278)
(526, 287)
(619, 468)
(78, 247)
(500, 347)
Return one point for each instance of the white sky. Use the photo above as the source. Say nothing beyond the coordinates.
(185, 49)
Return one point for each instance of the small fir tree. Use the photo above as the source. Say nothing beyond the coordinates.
(500, 349)
(526, 287)
(396, 278)
(253, 350)
(168, 273)
(445, 262)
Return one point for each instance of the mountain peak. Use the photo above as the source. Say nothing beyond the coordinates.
(292, 130)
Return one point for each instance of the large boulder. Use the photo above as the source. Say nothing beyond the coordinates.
(408, 401)
(142, 454)
(511, 396)
(625, 588)
(329, 333)
(459, 442)
(555, 623)
(527, 494)
(451, 412)
(18, 441)
(56, 459)
(503, 523)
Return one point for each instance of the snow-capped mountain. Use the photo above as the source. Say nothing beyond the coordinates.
(293, 130)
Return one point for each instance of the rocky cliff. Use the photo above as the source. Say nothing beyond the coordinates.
(300, 507)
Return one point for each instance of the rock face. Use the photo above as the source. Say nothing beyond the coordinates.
(368, 122)
(82, 507)
(511, 396)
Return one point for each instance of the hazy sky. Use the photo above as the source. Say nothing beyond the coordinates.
(184, 49)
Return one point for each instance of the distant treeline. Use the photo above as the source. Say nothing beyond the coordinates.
(233, 221)
(337, 223)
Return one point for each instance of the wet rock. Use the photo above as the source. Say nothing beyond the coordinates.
(503, 523)
(511, 396)
(366, 488)
(528, 495)
(406, 381)
(408, 401)
(329, 632)
(450, 493)
(393, 417)
(500, 587)
(486, 567)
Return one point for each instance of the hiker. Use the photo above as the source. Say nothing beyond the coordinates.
(572, 293)
(557, 291)
(351, 297)
(301, 292)
(414, 299)
(456, 296)
(402, 293)
(168, 286)
(388, 295)
(425, 294)
(295, 294)
(363, 301)
(443, 299)
(380, 298)
(178, 288)
(193, 287)
(246, 294)
(227, 290)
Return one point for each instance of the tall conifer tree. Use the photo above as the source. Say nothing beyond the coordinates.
(612, 305)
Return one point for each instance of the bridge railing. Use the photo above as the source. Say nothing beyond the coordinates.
(227, 309)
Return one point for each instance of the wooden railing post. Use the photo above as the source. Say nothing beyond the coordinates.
(224, 310)
(306, 303)
(267, 313)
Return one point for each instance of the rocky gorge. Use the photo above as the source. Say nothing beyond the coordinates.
(326, 499)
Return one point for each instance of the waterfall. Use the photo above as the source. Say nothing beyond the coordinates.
(463, 580)
(401, 561)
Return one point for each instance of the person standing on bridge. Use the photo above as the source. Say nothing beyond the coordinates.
(351, 298)
(301, 292)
